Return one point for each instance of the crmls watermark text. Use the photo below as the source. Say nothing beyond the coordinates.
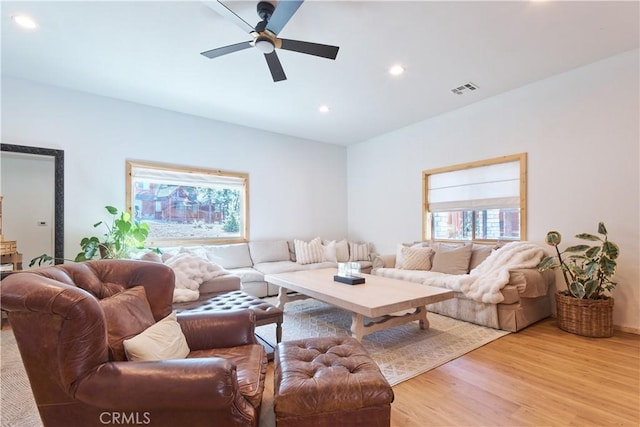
(116, 418)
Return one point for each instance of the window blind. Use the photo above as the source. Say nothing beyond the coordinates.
(187, 179)
(484, 187)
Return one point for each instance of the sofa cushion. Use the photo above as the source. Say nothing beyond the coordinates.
(416, 258)
(416, 276)
(318, 265)
(230, 256)
(278, 267)
(160, 341)
(309, 252)
(269, 251)
(248, 274)
(224, 283)
(126, 314)
(451, 260)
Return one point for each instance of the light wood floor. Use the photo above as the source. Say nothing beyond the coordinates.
(540, 376)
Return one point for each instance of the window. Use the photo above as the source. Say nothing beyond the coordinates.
(188, 205)
(477, 201)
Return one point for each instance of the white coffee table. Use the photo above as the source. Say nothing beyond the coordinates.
(377, 299)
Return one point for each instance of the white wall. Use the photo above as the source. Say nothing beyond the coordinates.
(297, 187)
(581, 132)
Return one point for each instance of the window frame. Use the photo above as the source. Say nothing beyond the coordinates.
(202, 173)
(427, 215)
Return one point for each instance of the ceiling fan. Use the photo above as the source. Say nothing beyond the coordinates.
(265, 35)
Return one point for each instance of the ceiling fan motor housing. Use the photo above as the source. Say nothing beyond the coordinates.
(265, 10)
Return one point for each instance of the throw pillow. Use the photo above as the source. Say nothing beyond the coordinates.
(161, 341)
(478, 254)
(451, 260)
(342, 250)
(358, 251)
(330, 251)
(399, 258)
(126, 314)
(309, 252)
(416, 258)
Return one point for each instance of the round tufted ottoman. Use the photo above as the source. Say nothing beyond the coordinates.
(329, 382)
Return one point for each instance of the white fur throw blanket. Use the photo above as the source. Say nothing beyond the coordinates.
(191, 271)
(484, 283)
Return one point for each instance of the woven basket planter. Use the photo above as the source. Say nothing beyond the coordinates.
(586, 317)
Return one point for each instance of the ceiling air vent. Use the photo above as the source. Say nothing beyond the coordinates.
(464, 88)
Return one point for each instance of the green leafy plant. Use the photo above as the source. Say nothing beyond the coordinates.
(123, 234)
(587, 270)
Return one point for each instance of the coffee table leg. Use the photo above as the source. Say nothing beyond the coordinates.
(423, 321)
(282, 298)
(357, 326)
(278, 332)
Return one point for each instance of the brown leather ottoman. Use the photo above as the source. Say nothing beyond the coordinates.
(237, 300)
(329, 382)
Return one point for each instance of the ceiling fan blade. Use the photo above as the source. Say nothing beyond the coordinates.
(214, 53)
(229, 15)
(309, 48)
(284, 11)
(275, 66)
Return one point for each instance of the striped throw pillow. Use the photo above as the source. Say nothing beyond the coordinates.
(358, 251)
(309, 252)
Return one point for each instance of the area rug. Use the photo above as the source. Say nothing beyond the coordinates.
(402, 352)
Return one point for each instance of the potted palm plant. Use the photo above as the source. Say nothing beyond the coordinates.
(585, 308)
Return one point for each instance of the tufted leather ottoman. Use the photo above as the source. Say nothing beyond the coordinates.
(237, 300)
(329, 382)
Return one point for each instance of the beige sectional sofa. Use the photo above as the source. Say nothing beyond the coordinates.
(251, 261)
(494, 286)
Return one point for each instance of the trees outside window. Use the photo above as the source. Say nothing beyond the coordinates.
(188, 205)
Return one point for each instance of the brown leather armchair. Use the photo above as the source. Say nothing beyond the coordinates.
(60, 328)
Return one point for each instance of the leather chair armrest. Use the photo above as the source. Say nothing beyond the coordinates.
(182, 384)
(218, 329)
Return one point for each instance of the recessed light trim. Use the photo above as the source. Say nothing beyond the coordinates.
(324, 108)
(396, 70)
(25, 21)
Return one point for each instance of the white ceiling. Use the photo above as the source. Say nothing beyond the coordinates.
(148, 52)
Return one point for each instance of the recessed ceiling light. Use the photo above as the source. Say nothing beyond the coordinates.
(323, 108)
(396, 70)
(25, 21)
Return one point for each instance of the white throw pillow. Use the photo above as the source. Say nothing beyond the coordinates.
(416, 258)
(309, 252)
(330, 251)
(160, 341)
(358, 251)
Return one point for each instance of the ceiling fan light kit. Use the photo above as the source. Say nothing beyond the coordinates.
(264, 45)
(265, 35)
